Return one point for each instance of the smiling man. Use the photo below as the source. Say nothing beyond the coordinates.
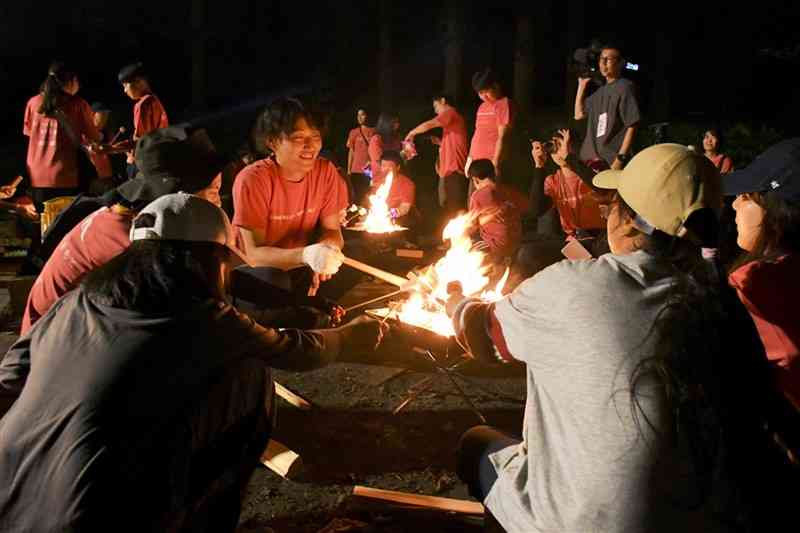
(287, 207)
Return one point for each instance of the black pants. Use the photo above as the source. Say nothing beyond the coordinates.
(361, 184)
(453, 193)
(40, 195)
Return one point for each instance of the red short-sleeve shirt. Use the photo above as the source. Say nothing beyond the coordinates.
(490, 116)
(52, 159)
(148, 115)
(358, 142)
(577, 208)
(503, 232)
(403, 190)
(453, 151)
(287, 212)
(94, 242)
(769, 291)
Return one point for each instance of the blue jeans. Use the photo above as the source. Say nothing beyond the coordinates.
(473, 465)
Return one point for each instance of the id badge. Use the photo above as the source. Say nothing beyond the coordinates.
(602, 124)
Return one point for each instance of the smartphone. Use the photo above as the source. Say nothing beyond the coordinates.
(575, 250)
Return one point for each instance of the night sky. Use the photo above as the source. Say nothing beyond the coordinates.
(699, 62)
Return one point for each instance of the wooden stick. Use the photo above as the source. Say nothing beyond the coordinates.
(281, 459)
(294, 399)
(431, 502)
(376, 272)
(374, 300)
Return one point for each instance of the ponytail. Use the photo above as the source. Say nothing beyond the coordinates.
(53, 93)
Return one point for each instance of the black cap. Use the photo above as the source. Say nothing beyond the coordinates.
(100, 107)
(131, 72)
(777, 170)
(170, 160)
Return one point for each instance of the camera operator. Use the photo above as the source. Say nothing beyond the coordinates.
(612, 110)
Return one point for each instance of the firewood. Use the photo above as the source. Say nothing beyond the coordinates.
(294, 399)
(420, 500)
(281, 460)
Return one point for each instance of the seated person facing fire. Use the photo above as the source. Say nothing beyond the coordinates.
(283, 202)
(402, 193)
(143, 393)
(625, 355)
(495, 215)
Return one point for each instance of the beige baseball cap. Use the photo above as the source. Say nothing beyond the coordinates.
(664, 184)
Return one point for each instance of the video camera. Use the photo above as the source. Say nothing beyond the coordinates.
(585, 63)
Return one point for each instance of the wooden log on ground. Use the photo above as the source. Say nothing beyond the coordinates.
(420, 500)
(294, 399)
(281, 460)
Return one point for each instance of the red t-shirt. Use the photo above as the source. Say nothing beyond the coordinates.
(148, 115)
(52, 159)
(94, 242)
(769, 290)
(503, 232)
(573, 200)
(723, 163)
(358, 142)
(453, 151)
(403, 190)
(376, 148)
(490, 116)
(101, 162)
(287, 212)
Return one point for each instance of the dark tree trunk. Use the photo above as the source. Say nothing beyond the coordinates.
(199, 82)
(453, 49)
(385, 57)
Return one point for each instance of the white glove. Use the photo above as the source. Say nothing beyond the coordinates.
(323, 258)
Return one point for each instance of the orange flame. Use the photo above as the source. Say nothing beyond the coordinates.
(461, 263)
(379, 218)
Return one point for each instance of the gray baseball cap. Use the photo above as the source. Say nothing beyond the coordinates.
(186, 217)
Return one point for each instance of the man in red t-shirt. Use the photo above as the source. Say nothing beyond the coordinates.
(492, 121)
(358, 155)
(574, 199)
(148, 113)
(287, 208)
(402, 194)
(496, 216)
(452, 153)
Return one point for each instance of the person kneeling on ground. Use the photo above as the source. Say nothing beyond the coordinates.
(139, 399)
(634, 359)
(496, 216)
(402, 194)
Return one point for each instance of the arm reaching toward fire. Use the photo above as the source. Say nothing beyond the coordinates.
(476, 327)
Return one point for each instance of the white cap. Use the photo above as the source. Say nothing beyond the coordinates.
(186, 217)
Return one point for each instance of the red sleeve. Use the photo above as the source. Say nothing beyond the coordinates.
(408, 191)
(27, 121)
(350, 139)
(727, 165)
(88, 129)
(336, 191)
(250, 199)
(503, 111)
(375, 151)
(151, 116)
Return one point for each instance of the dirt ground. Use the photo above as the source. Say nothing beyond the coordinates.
(351, 437)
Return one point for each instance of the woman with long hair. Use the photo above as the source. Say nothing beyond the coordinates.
(636, 363)
(386, 137)
(56, 122)
(765, 277)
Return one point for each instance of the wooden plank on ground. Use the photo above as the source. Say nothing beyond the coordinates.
(281, 459)
(420, 500)
(294, 399)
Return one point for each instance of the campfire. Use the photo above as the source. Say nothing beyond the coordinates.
(425, 306)
(378, 217)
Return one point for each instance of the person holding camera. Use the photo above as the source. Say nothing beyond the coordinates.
(568, 190)
(612, 112)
